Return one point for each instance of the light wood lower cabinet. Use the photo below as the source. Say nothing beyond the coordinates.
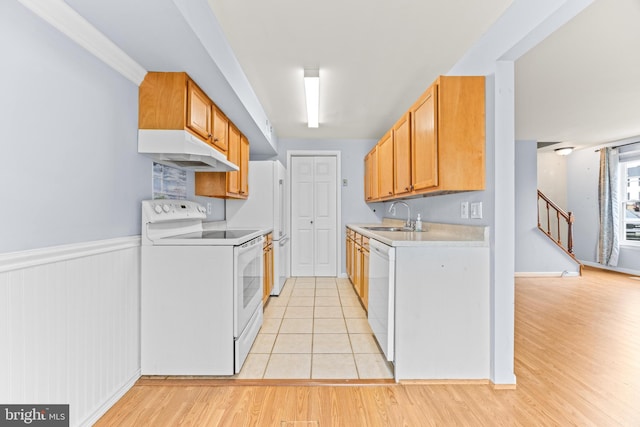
(357, 248)
(268, 267)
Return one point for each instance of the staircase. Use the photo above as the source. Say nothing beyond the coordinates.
(557, 225)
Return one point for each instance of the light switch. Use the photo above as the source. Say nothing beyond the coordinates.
(476, 210)
(464, 210)
(345, 182)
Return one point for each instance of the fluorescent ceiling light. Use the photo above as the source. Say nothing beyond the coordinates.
(564, 151)
(312, 94)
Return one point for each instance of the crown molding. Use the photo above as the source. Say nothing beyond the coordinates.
(61, 16)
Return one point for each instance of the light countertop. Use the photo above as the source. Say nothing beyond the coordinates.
(433, 234)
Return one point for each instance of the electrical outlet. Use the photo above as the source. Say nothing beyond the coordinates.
(476, 210)
(208, 208)
(464, 210)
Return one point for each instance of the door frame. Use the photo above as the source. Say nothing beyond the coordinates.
(321, 153)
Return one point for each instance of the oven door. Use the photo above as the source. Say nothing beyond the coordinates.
(247, 283)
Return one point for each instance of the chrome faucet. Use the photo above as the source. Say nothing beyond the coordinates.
(392, 211)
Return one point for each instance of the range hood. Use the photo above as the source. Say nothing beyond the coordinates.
(180, 149)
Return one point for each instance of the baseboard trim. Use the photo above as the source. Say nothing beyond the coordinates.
(614, 269)
(93, 418)
(547, 274)
(445, 382)
(503, 386)
(204, 381)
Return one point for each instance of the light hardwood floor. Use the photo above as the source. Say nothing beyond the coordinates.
(577, 362)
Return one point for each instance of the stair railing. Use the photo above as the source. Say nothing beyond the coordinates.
(558, 223)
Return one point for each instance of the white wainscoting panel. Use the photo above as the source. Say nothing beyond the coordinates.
(70, 326)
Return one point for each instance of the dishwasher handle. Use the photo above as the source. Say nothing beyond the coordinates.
(384, 250)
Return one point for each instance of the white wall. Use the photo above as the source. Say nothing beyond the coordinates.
(552, 177)
(69, 166)
(583, 168)
(352, 152)
(535, 253)
(71, 180)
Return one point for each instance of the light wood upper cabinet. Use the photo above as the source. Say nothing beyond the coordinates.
(461, 134)
(424, 141)
(174, 101)
(385, 166)
(402, 155)
(438, 146)
(198, 111)
(228, 185)
(244, 166)
(233, 155)
(371, 175)
(220, 130)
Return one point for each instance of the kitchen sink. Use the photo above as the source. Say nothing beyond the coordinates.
(382, 228)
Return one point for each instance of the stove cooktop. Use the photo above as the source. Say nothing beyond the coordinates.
(215, 234)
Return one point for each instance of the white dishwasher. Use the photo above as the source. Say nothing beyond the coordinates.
(382, 264)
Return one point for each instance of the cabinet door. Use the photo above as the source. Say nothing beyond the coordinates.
(402, 155)
(244, 166)
(424, 140)
(348, 252)
(233, 155)
(220, 130)
(357, 282)
(265, 272)
(385, 166)
(365, 277)
(198, 111)
(271, 278)
(371, 176)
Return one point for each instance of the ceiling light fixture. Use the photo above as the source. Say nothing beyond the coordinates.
(564, 151)
(312, 94)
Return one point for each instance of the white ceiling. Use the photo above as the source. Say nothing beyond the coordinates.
(375, 56)
(581, 85)
(577, 86)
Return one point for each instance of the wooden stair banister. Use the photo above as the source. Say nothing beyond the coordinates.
(560, 216)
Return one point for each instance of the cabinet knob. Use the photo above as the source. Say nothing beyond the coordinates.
(390, 193)
(406, 188)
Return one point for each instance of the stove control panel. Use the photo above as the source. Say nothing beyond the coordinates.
(162, 210)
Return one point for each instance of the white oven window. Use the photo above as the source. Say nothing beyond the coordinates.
(247, 283)
(251, 277)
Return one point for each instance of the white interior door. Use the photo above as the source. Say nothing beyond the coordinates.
(314, 216)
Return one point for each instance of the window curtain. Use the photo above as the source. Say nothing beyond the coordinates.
(609, 237)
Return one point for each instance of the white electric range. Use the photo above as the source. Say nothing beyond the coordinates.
(201, 291)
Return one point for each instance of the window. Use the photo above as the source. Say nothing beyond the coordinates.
(630, 197)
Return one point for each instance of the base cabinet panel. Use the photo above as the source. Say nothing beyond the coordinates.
(442, 313)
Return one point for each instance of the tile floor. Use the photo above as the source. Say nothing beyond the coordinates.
(315, 329)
